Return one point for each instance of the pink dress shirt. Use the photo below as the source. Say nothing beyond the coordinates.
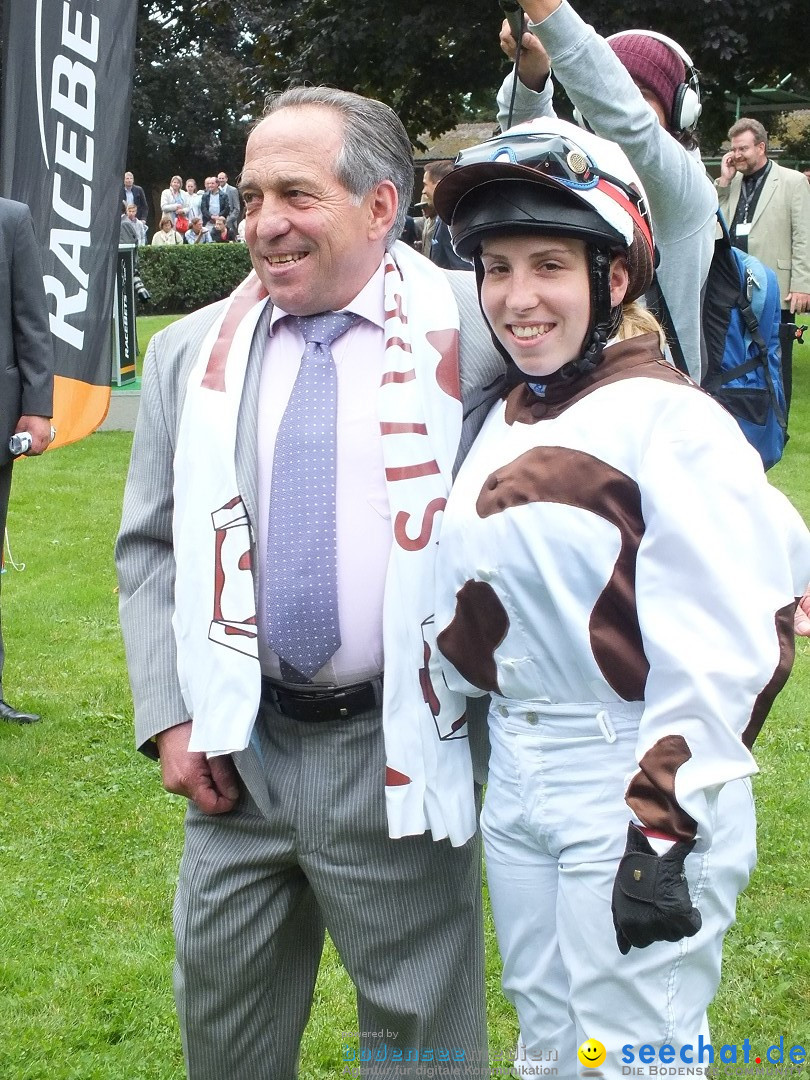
(363, 516)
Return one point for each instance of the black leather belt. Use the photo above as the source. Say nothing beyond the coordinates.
(320, 705)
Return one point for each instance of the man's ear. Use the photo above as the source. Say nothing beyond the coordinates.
(619, 280)
(383, 202)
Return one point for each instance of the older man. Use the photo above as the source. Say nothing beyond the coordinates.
(294, 450)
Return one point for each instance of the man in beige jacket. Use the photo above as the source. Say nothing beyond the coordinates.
(767, 208)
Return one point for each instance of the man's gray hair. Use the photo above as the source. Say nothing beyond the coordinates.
(375, 146)
(745, 123)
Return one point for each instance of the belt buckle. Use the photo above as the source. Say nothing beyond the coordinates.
(343, 712)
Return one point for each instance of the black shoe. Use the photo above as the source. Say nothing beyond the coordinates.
(15, 717)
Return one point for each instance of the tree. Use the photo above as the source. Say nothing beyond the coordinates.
(205, 67)
(431, 62)
(189, 113)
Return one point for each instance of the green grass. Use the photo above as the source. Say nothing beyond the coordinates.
(148, 326)
(90, 842)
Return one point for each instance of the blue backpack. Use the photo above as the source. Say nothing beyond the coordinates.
(741, 318)
(741, 314)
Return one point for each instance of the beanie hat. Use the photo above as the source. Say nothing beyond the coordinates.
(652, 64)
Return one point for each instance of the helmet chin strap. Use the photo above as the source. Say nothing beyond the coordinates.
(602, 318)
(604, 322)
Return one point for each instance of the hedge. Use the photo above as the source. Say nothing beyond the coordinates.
(184, 278)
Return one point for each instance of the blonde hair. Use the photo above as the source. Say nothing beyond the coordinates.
(638, 320)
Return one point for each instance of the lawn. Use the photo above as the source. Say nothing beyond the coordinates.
(90, 842)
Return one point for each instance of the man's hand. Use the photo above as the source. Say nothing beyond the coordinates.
(39, 428)
(728, 170)
(210, 783)
(801, 619)
(534, 61)
(799, 302)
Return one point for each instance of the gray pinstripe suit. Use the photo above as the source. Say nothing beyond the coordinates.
(307, 846)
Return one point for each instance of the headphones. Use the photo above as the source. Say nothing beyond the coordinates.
(686, 106)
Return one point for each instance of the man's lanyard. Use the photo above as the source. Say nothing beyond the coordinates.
(746, 197)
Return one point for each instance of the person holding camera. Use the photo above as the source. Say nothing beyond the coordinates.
(640, 89)
(26, 367)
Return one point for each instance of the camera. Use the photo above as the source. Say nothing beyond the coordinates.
(20, 443)
(141, 290)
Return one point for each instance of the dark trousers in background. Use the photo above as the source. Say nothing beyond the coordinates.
(787, 332)
(5, 490)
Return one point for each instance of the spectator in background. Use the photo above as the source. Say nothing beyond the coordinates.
(767, 208)
(412, 232)
(174, 201)
(26, 366)
(213, 203)
(240, 232)
(436, 243)
(221, 232)
(131, 193)
(132, 229)
(232, 195)
(194, 198)
(196, 233)
(166, 233)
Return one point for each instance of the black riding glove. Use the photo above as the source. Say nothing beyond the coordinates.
(651, 899)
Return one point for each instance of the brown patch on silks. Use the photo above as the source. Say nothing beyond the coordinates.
(554, 474)
(394, 778)
(651, 792)
(787, 652)
(639, 357)
(479, 626)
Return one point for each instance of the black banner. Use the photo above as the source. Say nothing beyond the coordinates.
(125, 336)
(67, 70)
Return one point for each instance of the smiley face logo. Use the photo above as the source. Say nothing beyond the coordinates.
(592, 1054)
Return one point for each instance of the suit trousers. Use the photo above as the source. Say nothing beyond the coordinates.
(555, 826)
(5, 491)
(787, 335)
(306, 849)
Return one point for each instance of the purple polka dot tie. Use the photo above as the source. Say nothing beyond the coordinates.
(302, 608)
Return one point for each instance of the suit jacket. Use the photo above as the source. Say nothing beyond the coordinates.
(139, 198)
(441, 249)
(26, 347)
(144, 551)
(235, 204)
(780, 227)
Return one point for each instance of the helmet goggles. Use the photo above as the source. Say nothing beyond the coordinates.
(543, 158)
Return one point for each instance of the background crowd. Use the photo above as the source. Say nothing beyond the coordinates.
(187, 215)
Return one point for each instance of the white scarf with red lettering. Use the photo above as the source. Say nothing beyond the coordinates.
(429, 782)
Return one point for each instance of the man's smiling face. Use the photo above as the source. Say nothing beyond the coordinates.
(313, 244)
